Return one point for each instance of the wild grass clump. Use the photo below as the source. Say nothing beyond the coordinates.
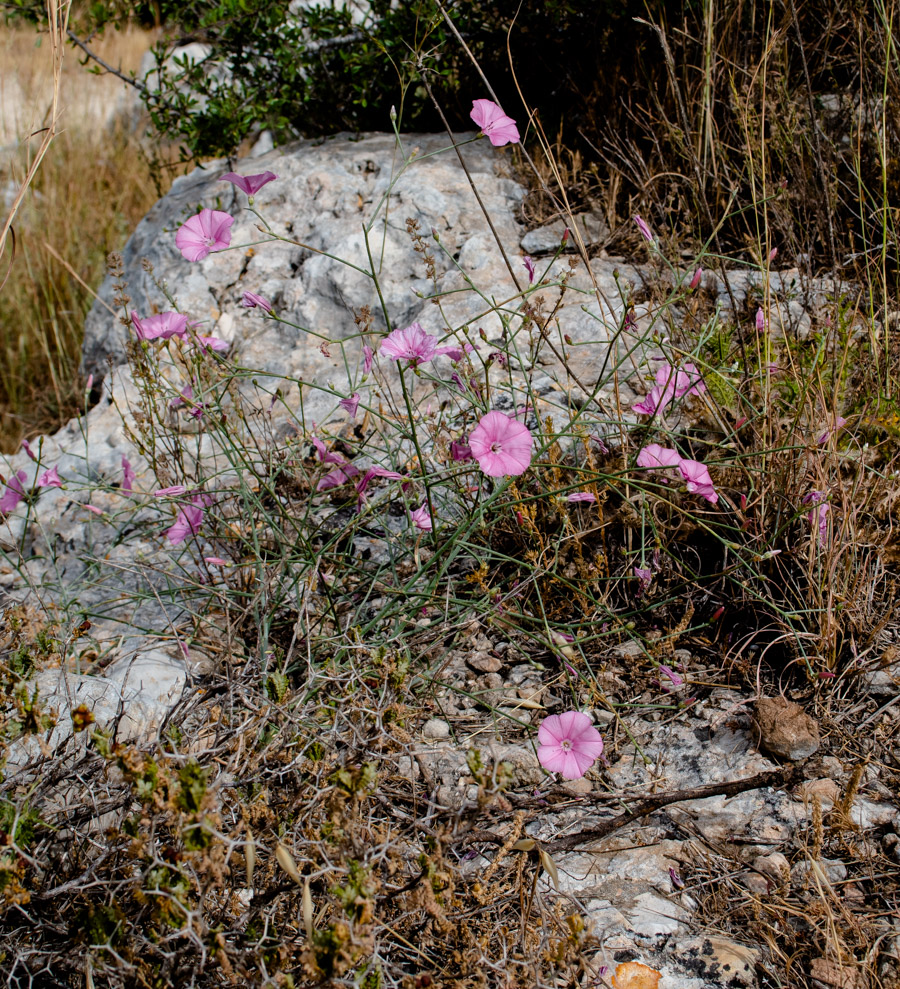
(282, 830)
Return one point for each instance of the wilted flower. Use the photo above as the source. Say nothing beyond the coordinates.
(581, 496)
(501, 445)
(213, 343)
(529, 267)
(667, 671)
(761, 321)
(372, 472)
(14, 492)
(421, 519)
(644, 575)
(174, 491)
(251, 300)
(368, 354)
(412, 344)
(695, 279)
(251, 184)
(839, 423)
(209, 230)
(460, 451)
(187, 521)
(351, 404)
(568, 744)
(644, 229)
(50, 479)
(26, 446)
(128, 475)
(494, 123)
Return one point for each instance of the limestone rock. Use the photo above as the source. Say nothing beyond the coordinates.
(786, 731)
(720, 960)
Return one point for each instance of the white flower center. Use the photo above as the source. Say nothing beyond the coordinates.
(565, 744)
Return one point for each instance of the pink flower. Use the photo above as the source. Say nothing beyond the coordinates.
(822, 513)
(501, 445)
(494, 123)
(216, 561)
(671, 674)
(644, 229)
(421, 519)
(325, 455)
(128, 475)
(162, 326)
(172, 492)
(209, 230)
(568, 744)
(93, 509)
(184, 396)
(373, 472)
(351, 404)
(581, 496)
(460, 451)
(655, 456)
(698, 480)
(50, 479)
(213, 343)
(251, 300)
(671, 382)
(14, 492)
(644, 575)
(529, 267)
(26, 446)
(251, 184)
(773, 254)
(761, 321)
(187, 521)
(695, 280)
(455, 353)
(368, 354)
(337, 477)
(839, 423)
(412, 344)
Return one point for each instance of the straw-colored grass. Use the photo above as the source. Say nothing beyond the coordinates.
(93, 185)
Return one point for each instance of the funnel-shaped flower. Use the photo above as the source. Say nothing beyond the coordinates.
(251, 184)
(698, 480)
(421, 519)
(162, 326)
(50, 479)
(209, 230)
(250, 300)
(494, 123)
(501, 445)
(568, 744)
(14, 492)
(656, 456)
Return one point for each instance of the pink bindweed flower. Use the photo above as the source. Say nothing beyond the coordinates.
(460, 451)
(839, 423)
(581, 496)
(761, 321)
(698, 480)
(368, 354)
(251, 184)
(325, 455)
(213, 343)
(250, 300)
(501, 445)
(174, 491)
(216, 561)
(340, 475)
(645, 576)
(568, 744)
(773, 254)
(529, 267)
(667, 671)
(695, 280)
(671, 382)
(412, 344)
(655, 456)
(822, 512)
(494, 123)
(50, 479)
(373, 472)
(351, 404)
(26, 446)
(420, 518)
(644, 229)
(185, 396)
(455, 353)
(187, 521)
(14, 493)
(128, 475)
(209, 230)
(93, 509)
(162, 326)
